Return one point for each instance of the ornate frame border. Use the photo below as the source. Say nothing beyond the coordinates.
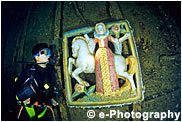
(67, 78)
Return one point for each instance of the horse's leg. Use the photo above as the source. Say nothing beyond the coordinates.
(76, 73)
(129, 77)
(71, 61)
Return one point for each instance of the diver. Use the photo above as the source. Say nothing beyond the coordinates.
(36, 87)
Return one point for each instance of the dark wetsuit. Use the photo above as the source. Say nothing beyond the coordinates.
(46, 80)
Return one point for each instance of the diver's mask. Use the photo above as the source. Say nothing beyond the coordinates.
(45, 51)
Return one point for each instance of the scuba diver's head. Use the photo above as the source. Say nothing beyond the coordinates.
(41, 53)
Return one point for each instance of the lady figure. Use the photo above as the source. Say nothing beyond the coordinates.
(106, 77)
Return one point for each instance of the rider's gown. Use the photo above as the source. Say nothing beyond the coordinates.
(106, 77)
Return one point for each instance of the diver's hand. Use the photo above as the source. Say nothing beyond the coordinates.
(27, 101)
(54, 103)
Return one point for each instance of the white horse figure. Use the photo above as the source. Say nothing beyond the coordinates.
(85, 61)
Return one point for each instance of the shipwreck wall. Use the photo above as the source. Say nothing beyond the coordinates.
(157, 35)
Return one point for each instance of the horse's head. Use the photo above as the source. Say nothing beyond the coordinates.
(79, 43)
(75, 48)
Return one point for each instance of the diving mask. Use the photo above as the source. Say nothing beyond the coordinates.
(45, 51)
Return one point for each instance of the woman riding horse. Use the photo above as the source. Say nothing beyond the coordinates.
(107, 65)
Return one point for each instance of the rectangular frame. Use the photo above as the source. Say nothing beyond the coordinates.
(67, 79)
